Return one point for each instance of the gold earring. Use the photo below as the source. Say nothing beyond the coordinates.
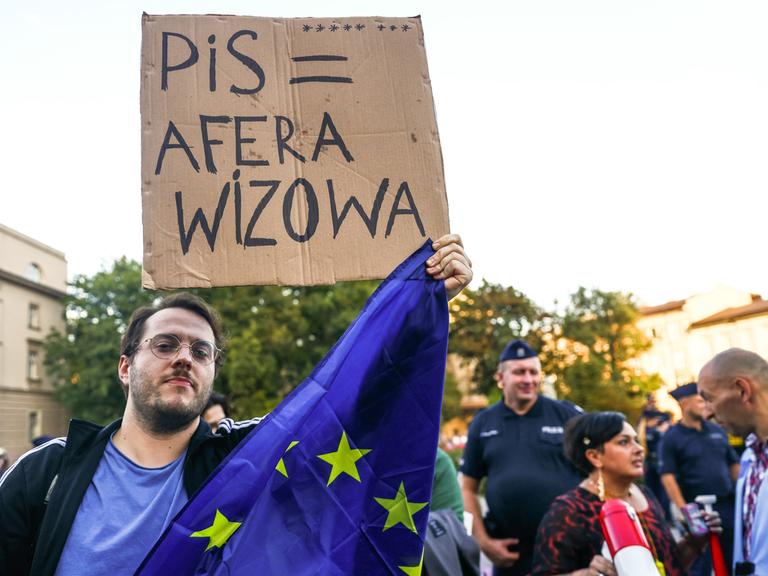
(600, 485)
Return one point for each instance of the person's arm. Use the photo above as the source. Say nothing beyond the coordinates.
(691, 546)
(735, 469)
(597, 567)
(673, 490)
(734, 463)
(450, 263)
(497, 549)
(470, 488)
(446, 492)
(668, 469)
(17, 527)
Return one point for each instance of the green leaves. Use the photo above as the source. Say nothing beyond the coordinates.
(589, 349)
(278, 334)
(602, 341)
(83, 360)
(484, 320)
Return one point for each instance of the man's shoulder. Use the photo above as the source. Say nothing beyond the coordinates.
(45, 460)
(673, 434)
(41, 461)
(564, 408)
(486, 420)
(230, 427)
(712, 428)
(495, 410)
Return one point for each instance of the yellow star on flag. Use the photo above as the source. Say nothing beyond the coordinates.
(281, 465)
(343, 460)
(414, 570)
(400, 510)
(218, 532)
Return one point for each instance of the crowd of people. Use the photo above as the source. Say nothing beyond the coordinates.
(549, 468)
(96, 501)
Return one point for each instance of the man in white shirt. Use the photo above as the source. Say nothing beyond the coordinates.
(735, 386)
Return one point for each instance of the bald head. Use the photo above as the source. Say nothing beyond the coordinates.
(734, 363)
(735, 385)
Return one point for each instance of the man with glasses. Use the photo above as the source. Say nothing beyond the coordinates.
(96, 502)
(102, 497)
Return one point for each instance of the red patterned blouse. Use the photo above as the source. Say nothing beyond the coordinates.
(569, 536)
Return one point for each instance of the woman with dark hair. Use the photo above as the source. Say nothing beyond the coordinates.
(605, 449)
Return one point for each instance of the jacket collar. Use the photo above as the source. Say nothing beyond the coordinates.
(533, 412)
(202, 433)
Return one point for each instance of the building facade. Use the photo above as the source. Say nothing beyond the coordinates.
(33, 282)
(688, 333)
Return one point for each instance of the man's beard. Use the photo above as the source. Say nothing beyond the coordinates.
(696, 417)
(163, 417)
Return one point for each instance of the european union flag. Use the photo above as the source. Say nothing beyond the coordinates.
(337, 480)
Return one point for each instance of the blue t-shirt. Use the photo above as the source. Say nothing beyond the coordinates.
(124, 511)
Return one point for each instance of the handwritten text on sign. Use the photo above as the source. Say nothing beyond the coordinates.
(313, 142)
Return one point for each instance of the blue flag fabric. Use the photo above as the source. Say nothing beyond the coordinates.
(338, 478)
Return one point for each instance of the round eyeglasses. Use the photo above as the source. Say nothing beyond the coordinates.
(167, 346)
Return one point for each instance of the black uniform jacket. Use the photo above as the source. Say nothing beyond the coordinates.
(41, 493)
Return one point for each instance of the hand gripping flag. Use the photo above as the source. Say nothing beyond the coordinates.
(337, 480)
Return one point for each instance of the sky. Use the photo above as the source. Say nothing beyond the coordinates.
(608, 144)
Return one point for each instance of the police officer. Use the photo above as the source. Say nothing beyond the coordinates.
(696, 460)
(517, 444)
(651, 428)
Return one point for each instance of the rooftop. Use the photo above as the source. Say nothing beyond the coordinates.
(667, 307)
(756, 308)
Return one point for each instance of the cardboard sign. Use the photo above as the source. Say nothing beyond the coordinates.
(285, 151)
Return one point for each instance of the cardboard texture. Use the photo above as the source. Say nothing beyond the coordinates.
(285, 151)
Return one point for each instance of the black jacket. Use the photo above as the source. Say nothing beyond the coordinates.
(41, 493)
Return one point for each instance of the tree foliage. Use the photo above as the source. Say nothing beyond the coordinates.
(451, 398)
(602, 343)
(591, 349)
(278, 334)
(82, 361)
(484, 320)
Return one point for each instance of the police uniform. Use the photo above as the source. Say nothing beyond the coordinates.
(652, 476)
(522, 457)
(700, 461)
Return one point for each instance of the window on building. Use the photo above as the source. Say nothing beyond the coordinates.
(33, 318)
(34, 272)
(34, 362)
(34, 424)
